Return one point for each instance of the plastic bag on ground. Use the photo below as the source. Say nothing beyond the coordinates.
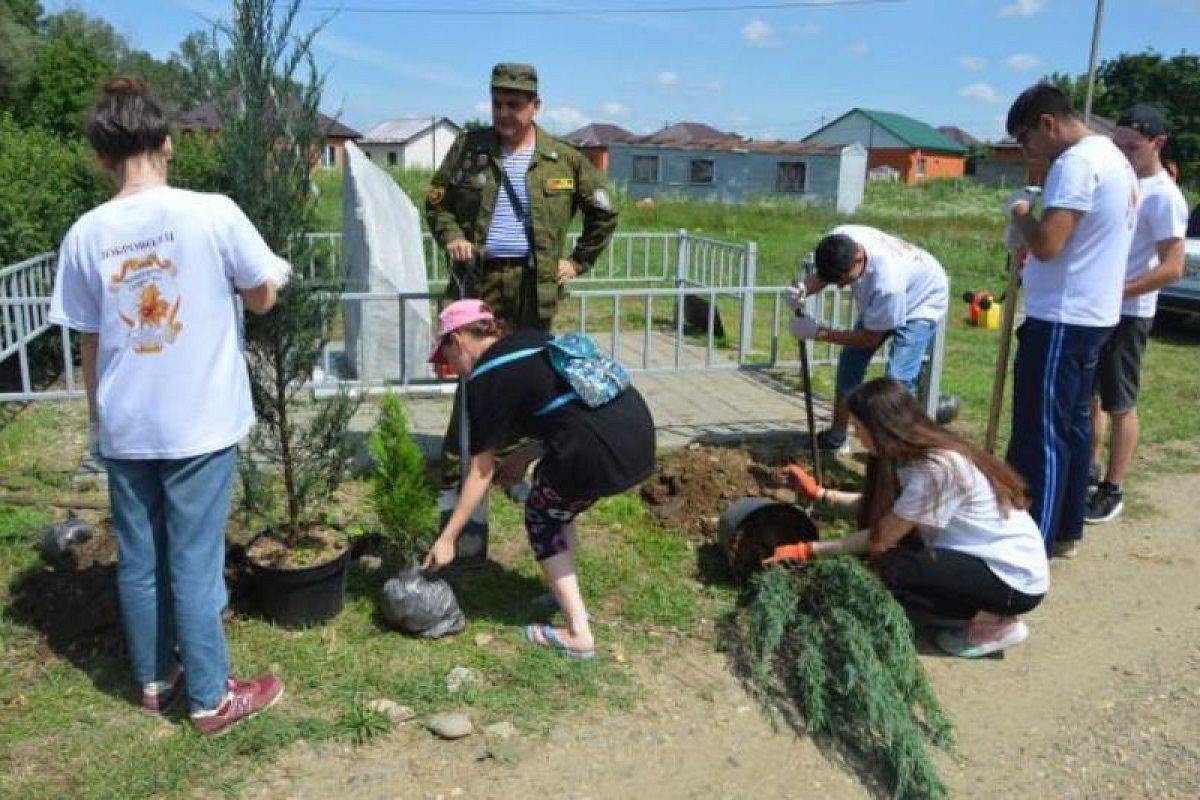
(59, 538)
(421, 606)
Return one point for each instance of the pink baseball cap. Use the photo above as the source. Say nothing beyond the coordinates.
(455, 316)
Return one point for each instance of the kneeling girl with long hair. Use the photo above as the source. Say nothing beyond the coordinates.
(976, 561)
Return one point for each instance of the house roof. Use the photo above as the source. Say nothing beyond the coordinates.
(912, 132)
(957, 134)
(599, 134)
(689, 133)
(207, 117)
(403, 129)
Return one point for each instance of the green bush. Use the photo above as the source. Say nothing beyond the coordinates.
(400, 487)
(45, 185)
(828, 646)
(196, 164)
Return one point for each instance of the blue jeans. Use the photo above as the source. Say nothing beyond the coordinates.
(170, 516)
(1054, 374)
(910, 342)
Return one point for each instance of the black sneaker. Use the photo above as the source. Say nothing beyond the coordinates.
(1104, 504)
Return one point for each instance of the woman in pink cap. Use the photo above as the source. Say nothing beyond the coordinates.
(514, 392)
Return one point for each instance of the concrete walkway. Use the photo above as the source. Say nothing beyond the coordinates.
(724, 405)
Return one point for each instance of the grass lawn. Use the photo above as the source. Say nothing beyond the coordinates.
(67, 725)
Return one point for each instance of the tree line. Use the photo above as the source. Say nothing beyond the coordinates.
(1172, 83)
(50, 68)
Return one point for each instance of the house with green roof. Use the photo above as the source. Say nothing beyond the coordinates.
(897, 146)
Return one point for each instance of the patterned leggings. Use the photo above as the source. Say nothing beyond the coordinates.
(547, 515)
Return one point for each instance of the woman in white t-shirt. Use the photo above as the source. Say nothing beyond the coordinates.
(944, 520)
(150, 280)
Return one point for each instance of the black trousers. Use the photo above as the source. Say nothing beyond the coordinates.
(949, 584)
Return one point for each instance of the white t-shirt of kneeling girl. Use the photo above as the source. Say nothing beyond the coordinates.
(155, 275)
(954, 507)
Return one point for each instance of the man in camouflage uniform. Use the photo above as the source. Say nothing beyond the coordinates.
(520, 271)
(511, 255)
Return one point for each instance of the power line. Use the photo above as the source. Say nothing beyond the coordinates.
(781, 5)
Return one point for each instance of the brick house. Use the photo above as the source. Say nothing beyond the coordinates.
(914, 150)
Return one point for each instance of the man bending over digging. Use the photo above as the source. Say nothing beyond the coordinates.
(900, 291)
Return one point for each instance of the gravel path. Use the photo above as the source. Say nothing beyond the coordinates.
(1103, 701)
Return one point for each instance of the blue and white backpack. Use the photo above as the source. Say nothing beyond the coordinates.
(595, 378)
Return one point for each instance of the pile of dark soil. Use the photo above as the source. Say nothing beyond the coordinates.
(74, 602)
(693, 486)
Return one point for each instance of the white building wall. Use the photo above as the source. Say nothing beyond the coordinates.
(425, 150)
(857, 128)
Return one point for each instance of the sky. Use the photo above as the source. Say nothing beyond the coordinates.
(766, 69)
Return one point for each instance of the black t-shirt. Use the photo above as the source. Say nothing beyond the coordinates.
(590, 452)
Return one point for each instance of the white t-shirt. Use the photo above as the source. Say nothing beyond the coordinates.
(1083, 284)
(1162, 214)
(954, 507)
(154, 274)
(901, 283)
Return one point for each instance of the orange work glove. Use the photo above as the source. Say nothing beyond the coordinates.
(801, 480)
(800, 551)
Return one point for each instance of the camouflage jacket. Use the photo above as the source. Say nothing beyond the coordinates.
(560, 181)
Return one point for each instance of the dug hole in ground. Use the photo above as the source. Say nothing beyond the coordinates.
(1102, 701)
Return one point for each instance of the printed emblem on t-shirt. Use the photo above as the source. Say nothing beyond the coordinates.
(147, 302)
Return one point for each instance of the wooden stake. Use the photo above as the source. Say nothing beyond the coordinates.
(1006, 327)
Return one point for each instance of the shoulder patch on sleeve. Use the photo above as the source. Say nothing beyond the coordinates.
(601, 200)
(435, 195)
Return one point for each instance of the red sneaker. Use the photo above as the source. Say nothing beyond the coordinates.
(243, 699)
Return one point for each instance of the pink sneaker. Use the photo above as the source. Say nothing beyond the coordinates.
(243, 699)
(983, 638)
(159, 696)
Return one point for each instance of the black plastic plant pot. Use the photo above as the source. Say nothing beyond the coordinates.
(303, 597)
(753, 527)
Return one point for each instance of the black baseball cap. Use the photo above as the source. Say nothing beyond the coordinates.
(1144, 118)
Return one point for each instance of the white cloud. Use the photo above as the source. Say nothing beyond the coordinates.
(1023, 8)
(759, 34)
(981, 92)
(565, 118)
(483, 107)
(667, 79)
(806, 28)
(859, 48)
(614, 109)
(355, 50)
(973, 63)
(1022, 61)
(715, 85)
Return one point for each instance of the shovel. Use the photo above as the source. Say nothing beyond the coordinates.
(1006, 327)
(814, 452)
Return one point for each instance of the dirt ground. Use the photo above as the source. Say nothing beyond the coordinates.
(1103, 701)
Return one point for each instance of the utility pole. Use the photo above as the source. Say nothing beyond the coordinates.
(1091, 84)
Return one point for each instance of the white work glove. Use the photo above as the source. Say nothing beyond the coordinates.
(795, 296)
(804, 327)
(1012, 238)
(1019, 196)
(93, 444)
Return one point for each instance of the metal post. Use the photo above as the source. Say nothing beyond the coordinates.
(749, 280)
(932, 388)
(1091, 84)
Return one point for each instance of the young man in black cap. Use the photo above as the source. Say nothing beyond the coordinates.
(1156, 259)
